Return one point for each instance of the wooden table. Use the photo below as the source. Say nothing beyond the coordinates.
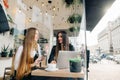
(59, 73)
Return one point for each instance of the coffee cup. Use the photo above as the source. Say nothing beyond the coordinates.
(51, 66)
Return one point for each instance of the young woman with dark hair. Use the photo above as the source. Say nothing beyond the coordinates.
(62, 43)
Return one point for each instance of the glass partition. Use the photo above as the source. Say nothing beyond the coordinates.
(74, 24)
(50, 17)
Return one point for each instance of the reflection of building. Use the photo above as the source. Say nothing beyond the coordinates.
(93, 49)
(110, 24)
(109, 38)
(115, 33)
(103, 41)
(98, 51)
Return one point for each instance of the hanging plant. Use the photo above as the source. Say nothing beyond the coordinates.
(78, 18)
(75, 18)
(9, 18)
(80, 1)
(71, 19)
(68, 2)
(72, 29)
(78, 29)
(72, 2)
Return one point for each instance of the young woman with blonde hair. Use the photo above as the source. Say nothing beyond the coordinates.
(25, 55)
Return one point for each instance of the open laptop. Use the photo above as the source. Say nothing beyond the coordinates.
(63, 58)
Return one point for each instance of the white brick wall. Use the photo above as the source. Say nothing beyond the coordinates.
(4, 62)
(6, 39)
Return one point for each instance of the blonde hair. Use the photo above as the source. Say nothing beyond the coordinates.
(29, 44)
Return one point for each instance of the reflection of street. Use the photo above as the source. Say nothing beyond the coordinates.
(104, 70)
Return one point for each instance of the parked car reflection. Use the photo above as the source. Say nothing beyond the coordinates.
(117, 59)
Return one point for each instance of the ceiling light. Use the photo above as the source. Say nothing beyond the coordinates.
(50, 1)
(58, 9)
(30, 20)
(53, 8)
(19, 11)
(46, 13)
(53, 16)
(30, 7)
(40, 12)
(42, 3)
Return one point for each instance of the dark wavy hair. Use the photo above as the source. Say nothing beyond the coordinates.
(64, 45)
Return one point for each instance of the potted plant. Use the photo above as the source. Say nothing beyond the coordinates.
(75, 64)
(4, 51)
(71, 19)
(11, 53)
(80, 1)
(72, 29)
(78, 28)
(74, 18)
(78, 18)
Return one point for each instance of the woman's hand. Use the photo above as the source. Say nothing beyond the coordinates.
(42, 58)
(37, 61)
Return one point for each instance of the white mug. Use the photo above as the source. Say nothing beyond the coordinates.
(51, 66)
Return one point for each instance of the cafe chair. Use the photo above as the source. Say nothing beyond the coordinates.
(7, 72)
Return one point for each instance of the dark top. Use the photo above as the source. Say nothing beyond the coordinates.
(71, 48)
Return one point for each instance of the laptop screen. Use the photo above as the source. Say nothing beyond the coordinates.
(63, 58)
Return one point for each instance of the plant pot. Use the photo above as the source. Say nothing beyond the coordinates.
(71, 19)
(11, 53)
(72, 29)
(4, 54)
(75, 66)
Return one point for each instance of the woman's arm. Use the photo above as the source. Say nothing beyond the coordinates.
(36, 62)
(39, 51)
(18, 57)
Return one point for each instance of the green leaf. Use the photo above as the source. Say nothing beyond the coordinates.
(10, 19)
(77, 59)
(74, 18)
(5, 49)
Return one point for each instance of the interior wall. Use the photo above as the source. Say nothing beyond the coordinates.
(6, 39)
